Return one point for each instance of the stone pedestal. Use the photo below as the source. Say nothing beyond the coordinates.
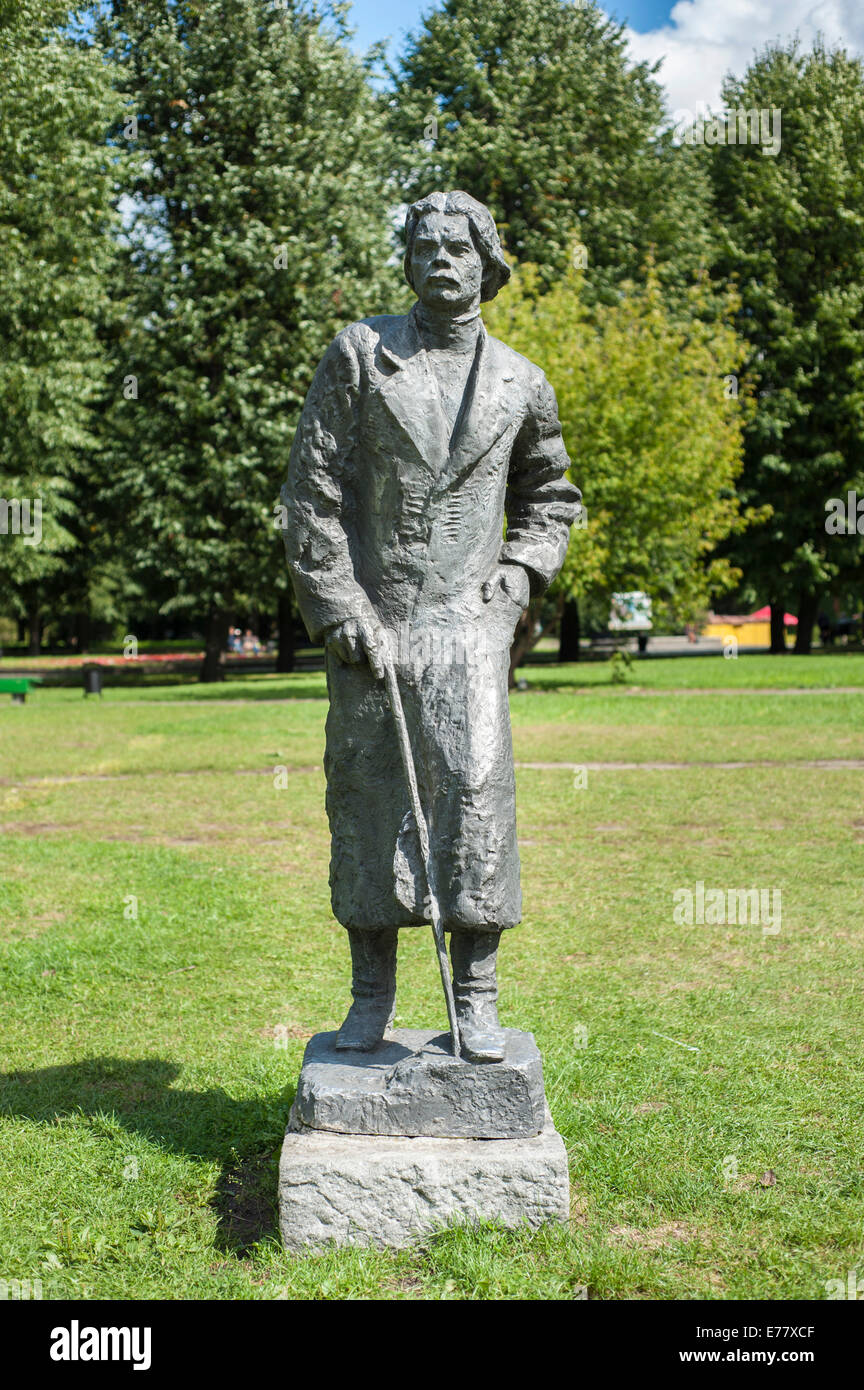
(357, 1189)
(383, 1148)
(413, 1085)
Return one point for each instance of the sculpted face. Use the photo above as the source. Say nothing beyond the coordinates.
(446, 267)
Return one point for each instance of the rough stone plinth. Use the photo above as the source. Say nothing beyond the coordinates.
(339, 1189)
(412, 1085)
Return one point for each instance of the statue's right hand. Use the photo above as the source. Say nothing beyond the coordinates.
(355, 640)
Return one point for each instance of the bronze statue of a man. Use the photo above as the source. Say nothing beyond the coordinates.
(421, 435)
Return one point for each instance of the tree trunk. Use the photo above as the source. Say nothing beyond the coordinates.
(285, 659)
(34, 628)
(82, 631)
(808, 607)
(218, 623)
(778, 638)
(525, 638)
(568, 649)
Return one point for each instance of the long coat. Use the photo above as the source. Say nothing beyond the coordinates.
(389, 518)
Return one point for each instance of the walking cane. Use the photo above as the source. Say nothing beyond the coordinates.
(423, 835)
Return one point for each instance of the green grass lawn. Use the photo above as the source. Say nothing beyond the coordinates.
(708, 1080)
(821, 670)
(753, 671)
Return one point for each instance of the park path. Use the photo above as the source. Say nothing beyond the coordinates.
(649, 765)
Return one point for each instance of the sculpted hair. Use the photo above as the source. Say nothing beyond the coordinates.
(484, 234)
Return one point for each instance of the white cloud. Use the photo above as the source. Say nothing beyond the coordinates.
(705, 39)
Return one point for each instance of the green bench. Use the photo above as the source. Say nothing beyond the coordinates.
(18, 687)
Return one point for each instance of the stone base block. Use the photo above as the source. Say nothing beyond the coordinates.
(358, 1189)
(413, 1085)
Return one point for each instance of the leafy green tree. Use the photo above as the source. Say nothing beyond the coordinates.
(793, 234)
(534, 107)
(57, 241)
(653, 424)
(259, 226)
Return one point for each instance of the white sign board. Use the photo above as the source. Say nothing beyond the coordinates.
(630, 612)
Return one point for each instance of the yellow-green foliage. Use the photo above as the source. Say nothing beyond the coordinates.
(652, 426)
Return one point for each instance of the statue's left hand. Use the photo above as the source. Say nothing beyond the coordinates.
(513, 579)
(358, 638)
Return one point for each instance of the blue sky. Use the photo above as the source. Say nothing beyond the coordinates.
(383, 19)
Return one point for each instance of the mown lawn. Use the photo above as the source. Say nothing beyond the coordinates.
(708, 1080)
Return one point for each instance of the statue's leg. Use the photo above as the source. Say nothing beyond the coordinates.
(475, 987)
(373, 986)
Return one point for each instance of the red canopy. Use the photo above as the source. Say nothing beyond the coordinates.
(763, 615)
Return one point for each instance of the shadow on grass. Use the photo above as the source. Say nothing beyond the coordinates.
(243, 1136)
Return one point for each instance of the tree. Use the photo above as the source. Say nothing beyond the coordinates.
(793, 234)
(533, 107)
(260, 228)
(57, 229)
(653, 427)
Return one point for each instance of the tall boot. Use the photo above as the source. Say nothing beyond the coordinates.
(373, 986)
(475, 988)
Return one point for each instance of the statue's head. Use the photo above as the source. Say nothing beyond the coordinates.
(453, 256)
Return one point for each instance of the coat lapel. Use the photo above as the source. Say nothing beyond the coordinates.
(486, 413)
(412, 397)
